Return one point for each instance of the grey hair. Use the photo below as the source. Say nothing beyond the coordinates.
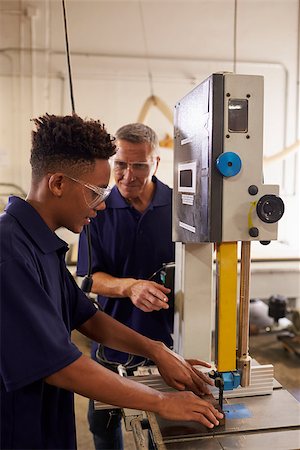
(138, 133)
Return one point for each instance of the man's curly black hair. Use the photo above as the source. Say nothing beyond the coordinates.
(68, 142)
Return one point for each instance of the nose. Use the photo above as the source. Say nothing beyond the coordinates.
(100, 207)
(128, 174)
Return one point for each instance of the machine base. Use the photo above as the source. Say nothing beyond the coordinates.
(268, 422)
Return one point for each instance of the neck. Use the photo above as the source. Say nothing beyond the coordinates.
(36, 198)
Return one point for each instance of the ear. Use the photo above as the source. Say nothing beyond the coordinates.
(56, 184)
(156, 164)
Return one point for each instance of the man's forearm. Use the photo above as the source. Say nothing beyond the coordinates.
(109, 286)
(146, 295)
(90, 379)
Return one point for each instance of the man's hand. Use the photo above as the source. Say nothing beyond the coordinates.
(187, 406)
(148, 295)
(180, 373)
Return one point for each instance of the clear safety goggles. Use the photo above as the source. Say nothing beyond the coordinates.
(98, 194)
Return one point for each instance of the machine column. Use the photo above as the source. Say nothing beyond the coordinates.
(226, 306)
(193, 321)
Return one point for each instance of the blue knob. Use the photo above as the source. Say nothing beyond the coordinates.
(229, 164)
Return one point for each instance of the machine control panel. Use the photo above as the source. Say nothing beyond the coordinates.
(218, 192)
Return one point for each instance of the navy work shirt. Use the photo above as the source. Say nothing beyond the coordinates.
(40, 305)
(130, 244)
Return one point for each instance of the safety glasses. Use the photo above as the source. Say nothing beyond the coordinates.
(98, 194)
(138, 167)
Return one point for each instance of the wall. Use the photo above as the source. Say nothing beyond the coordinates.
(179, 43)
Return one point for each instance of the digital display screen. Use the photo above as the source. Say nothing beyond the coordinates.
(238, 115)
(186, 178)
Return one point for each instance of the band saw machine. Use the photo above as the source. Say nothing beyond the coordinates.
(220, 204)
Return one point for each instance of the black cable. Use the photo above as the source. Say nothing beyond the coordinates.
(68, 58)
(163, 267)
(87, 282)
(88, 236)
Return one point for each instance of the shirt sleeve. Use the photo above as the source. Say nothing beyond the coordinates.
(35, 341)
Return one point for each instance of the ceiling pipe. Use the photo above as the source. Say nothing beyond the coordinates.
(171, 59)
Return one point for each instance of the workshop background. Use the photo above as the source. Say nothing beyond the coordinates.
(132, 61)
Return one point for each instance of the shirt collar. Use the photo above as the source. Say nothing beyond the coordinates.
(161, 196)
(30, 220)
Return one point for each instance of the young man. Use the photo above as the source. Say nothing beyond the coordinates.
(41, 304)
(131, 240)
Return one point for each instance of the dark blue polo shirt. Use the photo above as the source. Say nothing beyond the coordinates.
(127, 243)
(40, 305)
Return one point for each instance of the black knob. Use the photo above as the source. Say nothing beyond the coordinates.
(265, 242)
(253, 232)
(253, 190)
(270, 208)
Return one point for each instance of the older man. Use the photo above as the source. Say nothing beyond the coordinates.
(131, 240)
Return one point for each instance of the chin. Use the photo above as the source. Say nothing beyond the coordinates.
(76, 229)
